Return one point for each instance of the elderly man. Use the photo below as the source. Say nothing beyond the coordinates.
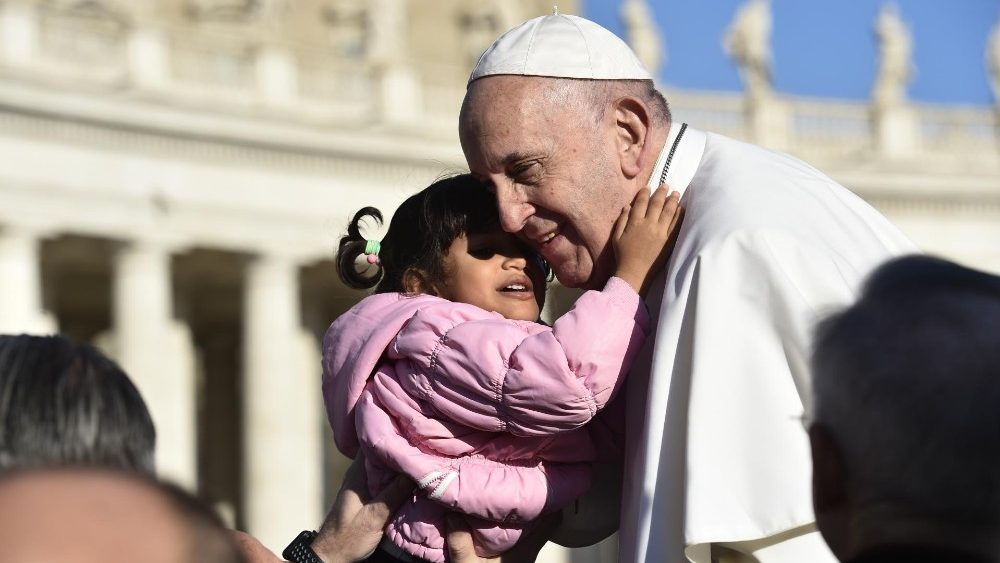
(563, 123)
(907, 418)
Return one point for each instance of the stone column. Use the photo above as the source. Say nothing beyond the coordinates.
(148, 56)
(281, 420)
(388, 52)
(149, 348)
(401, 95)
(769, 121)
(277, 76)
(21, 309)
(18, 32)
(897, 131)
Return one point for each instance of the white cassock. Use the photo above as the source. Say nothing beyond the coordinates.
(716, 451)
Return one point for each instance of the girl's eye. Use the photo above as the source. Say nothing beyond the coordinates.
(482, 252)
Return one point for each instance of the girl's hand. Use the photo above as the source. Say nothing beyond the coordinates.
(644, 236)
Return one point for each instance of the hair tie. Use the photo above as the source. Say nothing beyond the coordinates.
(372, 248)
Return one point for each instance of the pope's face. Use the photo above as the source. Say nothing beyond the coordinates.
(554, 171)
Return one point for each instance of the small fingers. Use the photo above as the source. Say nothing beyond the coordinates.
(671, 207)
(656, 202)
(622, 221)
(639, 203)
(676, 218)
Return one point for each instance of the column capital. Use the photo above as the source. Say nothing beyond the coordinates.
(292, 256)
(21, 307)
(153, 243)
(31, 229)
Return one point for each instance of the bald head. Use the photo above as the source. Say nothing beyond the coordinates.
(99, 516)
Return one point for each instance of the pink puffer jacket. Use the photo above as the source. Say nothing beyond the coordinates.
(485, 414)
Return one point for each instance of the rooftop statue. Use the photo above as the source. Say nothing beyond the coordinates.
(993, 61)
(748, 44)
(895, 67)
(642, 34)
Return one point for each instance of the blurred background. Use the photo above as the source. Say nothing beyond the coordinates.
(175, 174)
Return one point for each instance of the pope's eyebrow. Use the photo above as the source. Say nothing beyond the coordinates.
(515, 157)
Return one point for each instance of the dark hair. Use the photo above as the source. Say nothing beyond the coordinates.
(420, 233)
(62, 402)
(906, 380)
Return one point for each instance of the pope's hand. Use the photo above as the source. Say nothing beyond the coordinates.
(353, 529)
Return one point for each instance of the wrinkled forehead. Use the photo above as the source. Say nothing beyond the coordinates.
(505, 115)
(490, 101)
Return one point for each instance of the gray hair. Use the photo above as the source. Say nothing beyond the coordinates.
(907, 380)
(595, 96)
(66, 403)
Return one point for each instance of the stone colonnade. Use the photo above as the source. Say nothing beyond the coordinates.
(281, 413)
(275, 80)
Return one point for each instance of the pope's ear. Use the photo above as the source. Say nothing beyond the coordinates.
(632, 121)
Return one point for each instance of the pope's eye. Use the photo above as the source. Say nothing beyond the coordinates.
(524, 170)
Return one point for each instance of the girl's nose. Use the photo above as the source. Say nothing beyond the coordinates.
(515, 260)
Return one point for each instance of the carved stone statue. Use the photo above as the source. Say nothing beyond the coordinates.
(993, 61)
(222, 9)
(346, 23)
(895, 67)
(481, 22)
(92, 32)
(748, 43)
(479, 25)
(642, 34)
(386, 37)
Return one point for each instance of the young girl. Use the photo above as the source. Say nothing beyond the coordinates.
(445, 375)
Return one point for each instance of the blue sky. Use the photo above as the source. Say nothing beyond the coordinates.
(826, 48)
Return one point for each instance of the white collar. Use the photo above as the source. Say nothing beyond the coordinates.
(684, 163)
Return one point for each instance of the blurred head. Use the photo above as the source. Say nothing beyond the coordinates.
(66, 403)
(563, 156)
(907, 412)
(446, 241)
(89, 515)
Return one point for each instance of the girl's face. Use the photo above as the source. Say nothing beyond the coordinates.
(494, 271)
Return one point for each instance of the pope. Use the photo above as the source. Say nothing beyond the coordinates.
(564, 125)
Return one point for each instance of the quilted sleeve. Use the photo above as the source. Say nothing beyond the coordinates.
(490, 373)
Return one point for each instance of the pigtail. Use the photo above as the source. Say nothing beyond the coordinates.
(354, 245)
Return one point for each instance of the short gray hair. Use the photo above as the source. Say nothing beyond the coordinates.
(67, 403)
(595, 96)
(907, 380)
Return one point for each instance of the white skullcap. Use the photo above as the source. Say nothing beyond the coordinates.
(561, 46)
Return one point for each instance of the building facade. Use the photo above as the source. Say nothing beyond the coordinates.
(175, 174)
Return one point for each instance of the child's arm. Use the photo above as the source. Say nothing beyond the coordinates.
(493, 374)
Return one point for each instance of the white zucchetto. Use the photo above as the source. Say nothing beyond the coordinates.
(560, 46)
